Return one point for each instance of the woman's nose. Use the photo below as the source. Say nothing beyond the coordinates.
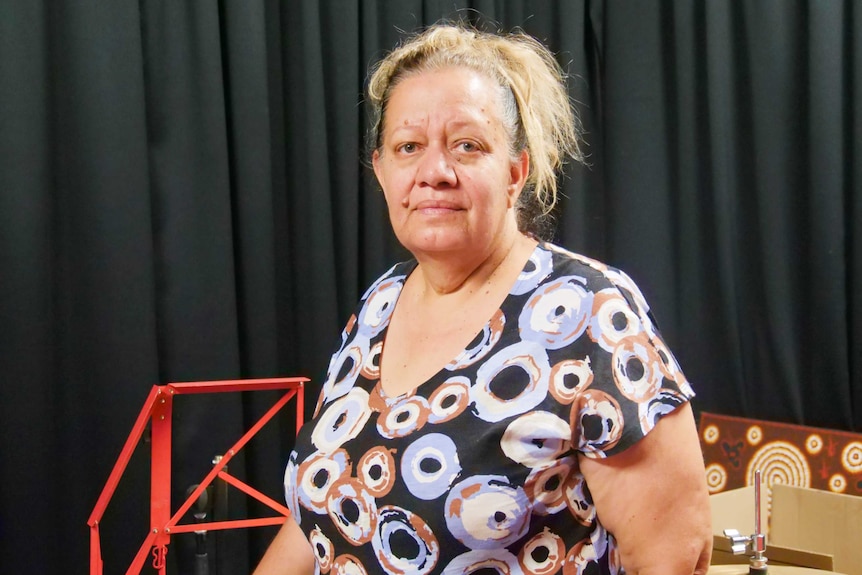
(436, 168)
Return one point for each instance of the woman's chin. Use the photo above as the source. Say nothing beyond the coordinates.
(437, 246)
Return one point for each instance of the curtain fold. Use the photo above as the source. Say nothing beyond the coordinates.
(182, 197)
(852, 170)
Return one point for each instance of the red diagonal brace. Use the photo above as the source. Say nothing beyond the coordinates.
(157, 411)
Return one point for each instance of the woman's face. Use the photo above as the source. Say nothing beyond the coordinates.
(445, 165)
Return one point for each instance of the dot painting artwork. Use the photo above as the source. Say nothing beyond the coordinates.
(734, 448)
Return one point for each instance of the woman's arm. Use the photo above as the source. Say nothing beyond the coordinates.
(653, 498)
(288, 554)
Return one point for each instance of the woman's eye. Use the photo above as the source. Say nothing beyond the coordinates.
(467, 147)
(407, 148)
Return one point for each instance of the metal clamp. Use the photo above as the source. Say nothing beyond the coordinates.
(740, 544)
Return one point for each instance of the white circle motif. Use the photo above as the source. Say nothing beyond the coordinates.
(851, 457)
(837, 483)
(813, 444)
(754, 435)
(780, 462)
(711, 434)
(716, 477)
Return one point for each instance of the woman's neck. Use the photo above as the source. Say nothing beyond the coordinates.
(449, 274)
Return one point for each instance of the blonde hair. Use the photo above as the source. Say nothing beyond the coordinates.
(537, 112)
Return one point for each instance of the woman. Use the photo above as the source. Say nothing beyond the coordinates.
(498, 403)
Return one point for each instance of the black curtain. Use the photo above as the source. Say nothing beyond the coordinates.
(182, 198)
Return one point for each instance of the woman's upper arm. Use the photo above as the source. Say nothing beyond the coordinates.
(288, 554)
(653, 498)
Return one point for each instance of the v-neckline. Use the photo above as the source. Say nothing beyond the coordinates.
(440, 373)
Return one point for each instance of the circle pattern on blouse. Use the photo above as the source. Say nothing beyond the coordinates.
(543, 554)
(379, 304)
(570, 377)
(536, 438)
(600, 419)
(485, 561)
(430, 465)
(481, 344)
(403, 543)
(376, 470)
(612, 319)
(522, 372)
(487, 511)
(557, 314)
(345, 367)
(315, 477)
(342, 421)
(323, 549)
(449, 400)
(353, 510)
(546, 486)
(477, 469)
(403, 417)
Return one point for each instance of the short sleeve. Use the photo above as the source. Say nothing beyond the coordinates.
(634, 378)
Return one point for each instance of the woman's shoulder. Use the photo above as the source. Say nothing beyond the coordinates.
(596, 274)
(397, 273)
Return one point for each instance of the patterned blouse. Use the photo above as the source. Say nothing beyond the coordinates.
(477, 469)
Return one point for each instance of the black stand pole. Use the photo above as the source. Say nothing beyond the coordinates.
(200, 508)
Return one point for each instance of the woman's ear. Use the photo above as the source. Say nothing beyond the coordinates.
(518, 172)
(375, 164)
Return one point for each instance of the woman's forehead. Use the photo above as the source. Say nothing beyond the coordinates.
(458, 96)
(452, 74)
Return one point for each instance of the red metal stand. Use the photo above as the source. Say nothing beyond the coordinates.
(157, 411)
